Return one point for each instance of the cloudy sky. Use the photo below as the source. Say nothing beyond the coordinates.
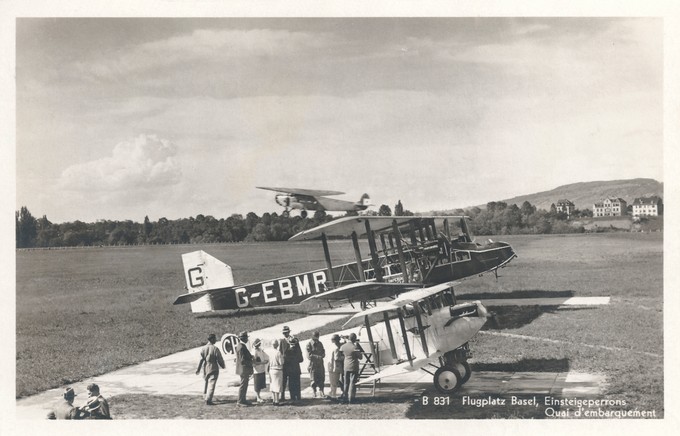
(123, 118)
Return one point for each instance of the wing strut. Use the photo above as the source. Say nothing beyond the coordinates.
(403, 332)
(447, 229)
(374, 252)
(357, 256)
(421, 330)
(393, 349)
(370, 339)
(327, 255)
(400, 251)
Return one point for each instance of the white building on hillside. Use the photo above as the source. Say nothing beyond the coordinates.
(610, 207)
(647, 206)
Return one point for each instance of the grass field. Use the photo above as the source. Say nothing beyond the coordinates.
(84, 312)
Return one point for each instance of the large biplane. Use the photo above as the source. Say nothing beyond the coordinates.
(412, 263)
(309, 199)
(405, 253)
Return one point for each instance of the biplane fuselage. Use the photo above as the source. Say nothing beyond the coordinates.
(413, 253)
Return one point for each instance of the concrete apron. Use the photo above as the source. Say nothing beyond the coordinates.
(175, 374)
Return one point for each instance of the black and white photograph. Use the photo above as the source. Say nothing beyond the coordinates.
(357, 215)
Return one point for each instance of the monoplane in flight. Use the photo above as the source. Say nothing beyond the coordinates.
(309, 199)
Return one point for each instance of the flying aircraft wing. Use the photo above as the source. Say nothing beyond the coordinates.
(365, 291)
(404, 299)
(310, 192)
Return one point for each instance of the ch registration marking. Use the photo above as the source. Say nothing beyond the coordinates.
(435, 401)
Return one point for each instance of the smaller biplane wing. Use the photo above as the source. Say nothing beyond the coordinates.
(309, 192)
(400, 368)
(365, 291)
(409, 297)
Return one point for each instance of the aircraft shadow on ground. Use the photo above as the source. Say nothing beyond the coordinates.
(529, 293)
(506, 317)
(524, 365)
(231, 314)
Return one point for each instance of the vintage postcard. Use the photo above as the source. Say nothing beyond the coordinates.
(388, 215)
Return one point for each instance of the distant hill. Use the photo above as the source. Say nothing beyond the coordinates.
(584, 194)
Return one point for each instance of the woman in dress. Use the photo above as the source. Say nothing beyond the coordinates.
(260, 364)
(276, 373)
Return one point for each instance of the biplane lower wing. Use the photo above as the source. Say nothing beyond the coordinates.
(399, 369)
(365, 291)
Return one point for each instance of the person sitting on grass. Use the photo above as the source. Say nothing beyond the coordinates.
(97, 407)
(65, 408)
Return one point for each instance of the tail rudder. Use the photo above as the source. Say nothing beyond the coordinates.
(364, 201)
(203, 272)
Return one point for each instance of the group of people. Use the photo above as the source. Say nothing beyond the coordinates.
(284, 368)
(96, 406)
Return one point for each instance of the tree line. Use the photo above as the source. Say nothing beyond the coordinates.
(496, 219)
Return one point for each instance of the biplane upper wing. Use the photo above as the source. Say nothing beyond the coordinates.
(365, 291)
(406, 298)
(309, 192)
(345, 226)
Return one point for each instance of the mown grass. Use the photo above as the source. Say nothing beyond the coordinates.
(85, 312)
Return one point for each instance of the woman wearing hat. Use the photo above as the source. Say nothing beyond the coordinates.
(260, 364)
(335, 367)
(276, 373)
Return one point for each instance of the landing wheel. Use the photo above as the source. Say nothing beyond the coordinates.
(303, 214)
(464, 370)
(447, 379)
(285, 214)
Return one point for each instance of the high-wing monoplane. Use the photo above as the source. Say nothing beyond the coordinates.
(413, 252)
(309, 199)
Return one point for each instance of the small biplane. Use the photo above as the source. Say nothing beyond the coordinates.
(308, 199)
(434, 335)
(414, 251)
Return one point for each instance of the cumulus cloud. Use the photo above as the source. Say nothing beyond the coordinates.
(145, 162)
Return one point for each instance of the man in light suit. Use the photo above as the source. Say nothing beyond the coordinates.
(244, 368)
(211, 362)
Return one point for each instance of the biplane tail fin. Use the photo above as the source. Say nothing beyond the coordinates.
(203, 273)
